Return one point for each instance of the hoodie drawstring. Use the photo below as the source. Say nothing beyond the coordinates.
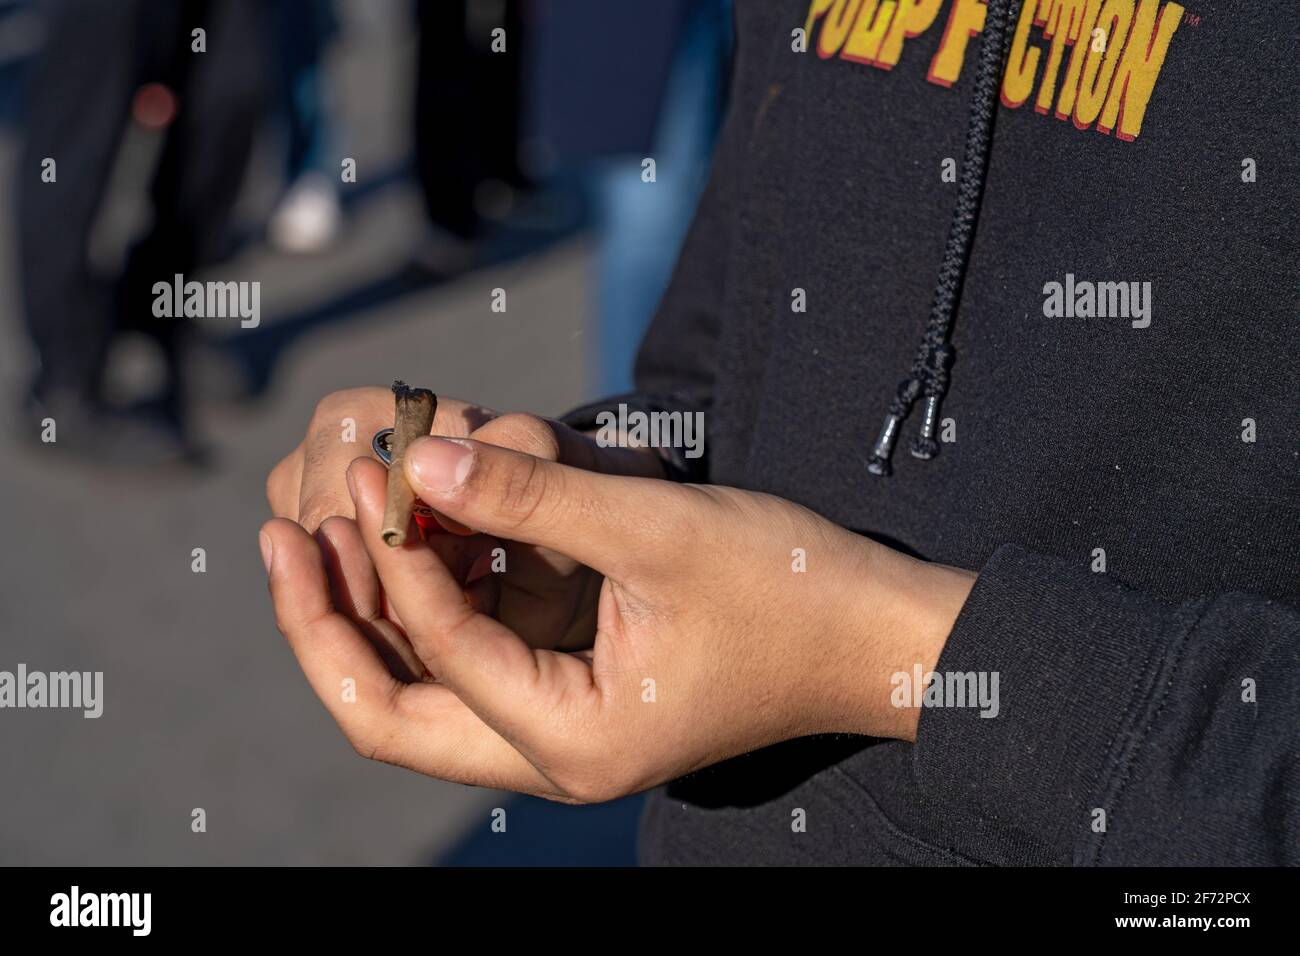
(929, 373)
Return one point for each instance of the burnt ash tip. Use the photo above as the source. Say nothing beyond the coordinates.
(404, 392)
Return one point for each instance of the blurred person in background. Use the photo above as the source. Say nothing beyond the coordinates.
(601, 110)
(105, 69)
(467, 108)
(307, 218)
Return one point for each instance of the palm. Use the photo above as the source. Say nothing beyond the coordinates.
(549, 600)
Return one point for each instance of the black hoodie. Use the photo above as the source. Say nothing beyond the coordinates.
(1118, 438)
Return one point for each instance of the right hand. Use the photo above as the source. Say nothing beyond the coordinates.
(545, 597)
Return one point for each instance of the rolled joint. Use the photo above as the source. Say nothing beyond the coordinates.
(413, 418)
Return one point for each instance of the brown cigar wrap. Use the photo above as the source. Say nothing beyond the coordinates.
(412, 419)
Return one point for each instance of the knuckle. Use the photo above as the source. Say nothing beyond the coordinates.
(325, 410)
(367, 742)
(334, 524)
(363, 742)
(374, 734)
(291, 628)
(523, 432)
(353, 402)
(275, 481)
(319, 508)
(592, 786)
(282, 485)
(283, 624)
(591, 774)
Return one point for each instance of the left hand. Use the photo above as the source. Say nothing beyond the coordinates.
(709, 644)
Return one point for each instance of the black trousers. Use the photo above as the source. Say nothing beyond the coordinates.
(467, 106)
(79, 96)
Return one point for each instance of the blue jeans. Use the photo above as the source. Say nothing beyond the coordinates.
(641, 225)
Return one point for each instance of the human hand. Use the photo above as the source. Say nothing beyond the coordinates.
(309, 485)
(707, 645)
(547, 598)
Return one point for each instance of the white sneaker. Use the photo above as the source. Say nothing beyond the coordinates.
(308, 217)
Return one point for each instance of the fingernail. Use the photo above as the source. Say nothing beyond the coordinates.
(268, 551)
(439, 464)
(352, 483)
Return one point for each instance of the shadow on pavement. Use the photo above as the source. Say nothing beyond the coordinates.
(259, 350)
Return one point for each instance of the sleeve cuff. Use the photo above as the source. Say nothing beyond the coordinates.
(1079, 661)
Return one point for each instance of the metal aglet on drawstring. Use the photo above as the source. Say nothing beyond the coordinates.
(884, 448)
(925, 447)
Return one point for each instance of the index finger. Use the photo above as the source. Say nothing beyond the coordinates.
(511, 686)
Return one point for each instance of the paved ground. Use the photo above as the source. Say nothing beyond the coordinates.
(205, 706)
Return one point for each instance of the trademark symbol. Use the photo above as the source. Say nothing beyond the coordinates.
(1191, 19)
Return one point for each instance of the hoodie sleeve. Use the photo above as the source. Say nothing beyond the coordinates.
(675, 365)
(1128, 730)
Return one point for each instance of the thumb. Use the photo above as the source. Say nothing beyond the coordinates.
(601, 520)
